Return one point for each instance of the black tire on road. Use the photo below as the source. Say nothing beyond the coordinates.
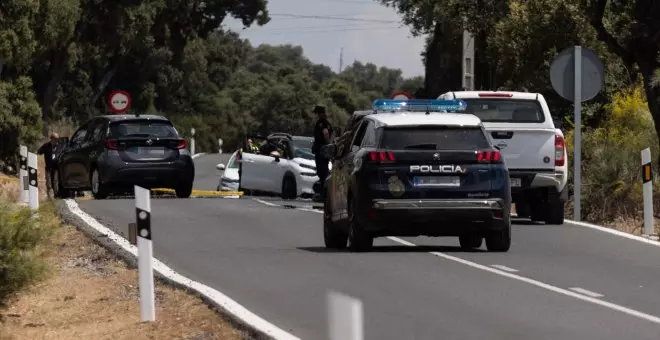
(58, 187)
(499, 240)
(555, 212)
(99, 190)
(358, 239)
(333, 237)
(184, 190)
(289, 190)
(470, 241)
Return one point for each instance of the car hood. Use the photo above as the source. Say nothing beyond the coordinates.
(310, 162)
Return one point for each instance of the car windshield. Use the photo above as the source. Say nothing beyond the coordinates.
(505, 110)
(232, 164)
(302, 148)
(143, 128)
(434, 138)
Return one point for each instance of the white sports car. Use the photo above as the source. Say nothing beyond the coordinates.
(289, 175)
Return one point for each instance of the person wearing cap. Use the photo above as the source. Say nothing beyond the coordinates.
(49, 150)
(322, 137)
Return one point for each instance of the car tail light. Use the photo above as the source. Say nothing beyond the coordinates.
(181, 144)
(111, 144)
(489, 156)
(381, 156)
(495, 94)
(560, 145)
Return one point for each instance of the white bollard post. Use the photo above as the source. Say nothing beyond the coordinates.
(345, 317)
(25, 188)
(647, 180)
(192, 141)
(219, 145)
(33, 181)
(145, 254)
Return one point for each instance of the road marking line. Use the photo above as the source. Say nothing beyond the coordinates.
(504, 268)
(540, 284)
(586, 292)
(614, 232)
(266, 203)
(220, 299)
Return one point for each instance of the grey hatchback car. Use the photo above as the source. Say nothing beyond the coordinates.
(112, 153)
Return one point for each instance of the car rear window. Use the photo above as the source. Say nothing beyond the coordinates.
(434, 138)
(505, 110)
(143, 128)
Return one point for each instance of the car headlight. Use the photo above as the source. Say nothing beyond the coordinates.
(310, 174)
(307, 166)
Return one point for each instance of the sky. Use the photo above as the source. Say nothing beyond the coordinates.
(367, 31)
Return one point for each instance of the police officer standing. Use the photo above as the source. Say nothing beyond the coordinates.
(322, 136)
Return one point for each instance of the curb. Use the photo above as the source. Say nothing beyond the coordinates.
(252, 326)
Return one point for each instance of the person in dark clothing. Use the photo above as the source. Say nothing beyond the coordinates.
(49, 150)
(322, 137)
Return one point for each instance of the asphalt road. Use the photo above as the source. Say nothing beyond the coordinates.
(271, 259)
(206, 175)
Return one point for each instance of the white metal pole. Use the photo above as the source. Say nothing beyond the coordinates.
(145, 254)
(25, 189)
(577, 152)
(192, 141)
(345, 317)
(219, 145)
(33, 181)
(647, 180)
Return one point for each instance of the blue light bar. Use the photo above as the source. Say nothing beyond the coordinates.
(419, 105)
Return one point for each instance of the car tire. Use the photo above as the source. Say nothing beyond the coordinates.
(358, 239)
(555, 212)
(470, 241)
(289, 190)
(333, 237)
(58, 187)
(184, 190)
(498, 237)
(522, 210)
(99, 190)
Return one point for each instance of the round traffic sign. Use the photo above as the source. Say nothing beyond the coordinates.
(592, 73)
(119, 101)
(400, 95)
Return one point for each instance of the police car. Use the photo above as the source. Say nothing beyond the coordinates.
(413, 168)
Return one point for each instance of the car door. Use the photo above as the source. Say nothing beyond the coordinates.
(347, 166)
(92, 147)
(254, 172)
(71, 168)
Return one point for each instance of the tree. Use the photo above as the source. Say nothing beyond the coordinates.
(631, 30)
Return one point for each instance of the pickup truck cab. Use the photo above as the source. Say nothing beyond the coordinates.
(521, 126)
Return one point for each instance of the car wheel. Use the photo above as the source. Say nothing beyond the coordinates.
(555, 212)
(334, 237)
(498, 237)
(522, 210)
(58, 189)
(358, 239)
(98, 189)
(470, 241)
(184, 191)
(289, 190)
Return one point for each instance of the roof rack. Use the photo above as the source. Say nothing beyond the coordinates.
(418, 105)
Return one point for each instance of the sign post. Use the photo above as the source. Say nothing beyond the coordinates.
(345, 317)
(145, 254)
(25, 188)
(577, 74)
(647, 180)
(119, 101)
(33, 181)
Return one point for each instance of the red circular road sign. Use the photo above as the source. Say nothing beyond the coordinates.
(402, 95)
(119, 101)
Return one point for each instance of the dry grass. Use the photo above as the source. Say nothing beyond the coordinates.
(88, 294)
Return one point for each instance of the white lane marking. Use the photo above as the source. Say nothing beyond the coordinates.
(266, 203)
(540, 284)
(504, 268)
(614, 232)
(586, 292)
(502, 272)
(220, 299)
(198, 155)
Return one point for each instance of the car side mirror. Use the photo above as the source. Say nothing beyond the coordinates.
(220, 167)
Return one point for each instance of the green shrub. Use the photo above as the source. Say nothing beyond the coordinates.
(611, 159)
(23, 239)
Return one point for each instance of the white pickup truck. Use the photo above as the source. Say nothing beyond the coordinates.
(520, 125)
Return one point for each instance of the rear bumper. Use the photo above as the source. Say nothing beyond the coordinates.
(434, 217)
(541, 183)
(152, 175)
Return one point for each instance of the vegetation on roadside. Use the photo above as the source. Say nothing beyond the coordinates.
(24, 237)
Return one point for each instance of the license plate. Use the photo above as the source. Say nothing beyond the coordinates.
(135, 149)
(156, 152)
(437, 181)
(516, 182)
